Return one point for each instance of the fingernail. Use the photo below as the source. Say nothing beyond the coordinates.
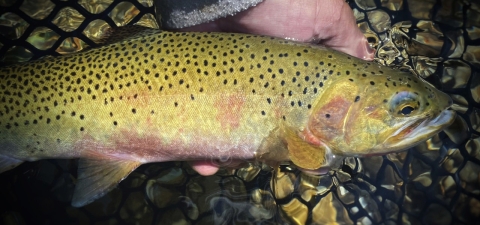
(369, 52)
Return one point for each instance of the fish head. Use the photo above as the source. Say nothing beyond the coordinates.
(378, 114)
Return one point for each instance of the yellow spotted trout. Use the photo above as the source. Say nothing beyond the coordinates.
(160, 96)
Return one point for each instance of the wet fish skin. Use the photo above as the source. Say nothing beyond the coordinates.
(162, 96)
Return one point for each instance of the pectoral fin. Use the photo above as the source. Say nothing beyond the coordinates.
(302, 153)
(273, 150)
(97, 177)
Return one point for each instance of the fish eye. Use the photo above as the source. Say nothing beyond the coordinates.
(407, 110)
(404, 103)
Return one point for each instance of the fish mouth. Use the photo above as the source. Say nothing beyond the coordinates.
(418, 131)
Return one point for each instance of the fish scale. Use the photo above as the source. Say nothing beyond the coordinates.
(162, 96)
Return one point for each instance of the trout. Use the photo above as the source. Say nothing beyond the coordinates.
(160, 96)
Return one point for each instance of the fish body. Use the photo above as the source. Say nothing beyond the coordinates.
(163, 96)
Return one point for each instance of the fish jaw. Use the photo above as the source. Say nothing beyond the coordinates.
(415, 132)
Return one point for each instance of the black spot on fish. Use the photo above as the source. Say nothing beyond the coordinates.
(357, 98)
(327, 115)
(372, 83)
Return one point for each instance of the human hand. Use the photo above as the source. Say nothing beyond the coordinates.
(327, 22)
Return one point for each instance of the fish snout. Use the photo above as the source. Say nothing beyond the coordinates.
(444, 100)
(450, 101)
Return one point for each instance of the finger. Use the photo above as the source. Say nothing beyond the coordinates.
(204, 167)
(340, 31)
